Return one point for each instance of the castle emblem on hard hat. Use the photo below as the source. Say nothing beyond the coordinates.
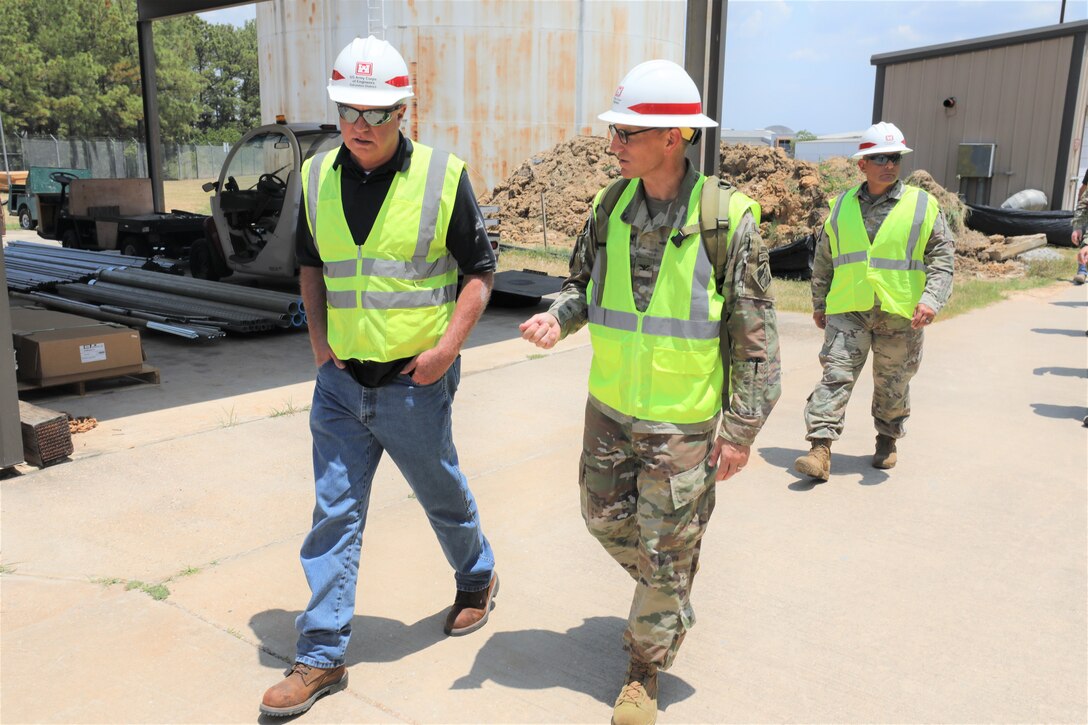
(364, 68)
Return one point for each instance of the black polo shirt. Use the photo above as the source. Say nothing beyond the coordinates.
(362, 195)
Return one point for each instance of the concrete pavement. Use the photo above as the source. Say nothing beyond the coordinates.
(952, 588)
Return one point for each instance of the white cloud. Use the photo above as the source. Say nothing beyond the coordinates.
(907, 33)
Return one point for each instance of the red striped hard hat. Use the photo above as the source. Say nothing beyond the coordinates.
(369, 73)
(658, 94)
(881, 138)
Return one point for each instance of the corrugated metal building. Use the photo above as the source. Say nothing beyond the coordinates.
(496, 81)
(992, 116)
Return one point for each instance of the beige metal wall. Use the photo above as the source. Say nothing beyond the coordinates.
(1012, 96)
(496, 80)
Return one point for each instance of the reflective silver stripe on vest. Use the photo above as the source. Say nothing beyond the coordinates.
(311, 190)
(687, 329)
(415, 269)
(346, 299)
(339, 270)
(834, 218)
(627, 321)
(897, 264)
(700, 283)
(409, 300)
(432, 197)
(849, 258)
(916, 225)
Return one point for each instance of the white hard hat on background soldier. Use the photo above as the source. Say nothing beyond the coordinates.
(369, 72)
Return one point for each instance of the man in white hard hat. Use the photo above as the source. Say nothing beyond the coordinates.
(685, 363)
(882, 272)
(385, 226)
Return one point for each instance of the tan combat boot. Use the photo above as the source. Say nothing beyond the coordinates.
(885, 452)
(637, 703)
(817, 462)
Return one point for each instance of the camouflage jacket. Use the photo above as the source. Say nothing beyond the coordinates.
(749, 331)
(939, 256)
(1080, 216)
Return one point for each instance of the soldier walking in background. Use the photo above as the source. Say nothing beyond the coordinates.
(665, 298)
(882, 272)
(1080, 226)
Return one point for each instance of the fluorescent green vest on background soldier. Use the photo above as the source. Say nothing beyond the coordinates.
(891, 268)
(663, 364)
(391, 297)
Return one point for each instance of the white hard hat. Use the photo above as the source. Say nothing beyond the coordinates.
(658, 94)
(881, 138)
(369, 73)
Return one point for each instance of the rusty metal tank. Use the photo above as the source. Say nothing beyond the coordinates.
(495, 80)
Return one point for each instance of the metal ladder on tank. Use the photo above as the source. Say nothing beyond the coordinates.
(375, 18)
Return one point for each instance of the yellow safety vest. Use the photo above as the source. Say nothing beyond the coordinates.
(391, 297)
(891, 268)
(662, 364)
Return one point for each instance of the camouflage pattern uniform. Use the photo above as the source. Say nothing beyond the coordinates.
(647, 487)
(848, 338)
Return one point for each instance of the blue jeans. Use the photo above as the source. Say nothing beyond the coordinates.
(351, 427)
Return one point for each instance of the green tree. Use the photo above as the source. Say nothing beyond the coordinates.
(77, 72)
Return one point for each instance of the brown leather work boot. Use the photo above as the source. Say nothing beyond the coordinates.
(637, 703)
(885, 452)
(817, 462)
(296, 693)
(471, 609)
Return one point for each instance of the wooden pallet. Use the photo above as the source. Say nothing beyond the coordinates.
(147, 374)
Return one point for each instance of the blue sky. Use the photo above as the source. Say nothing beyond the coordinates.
(805, 63)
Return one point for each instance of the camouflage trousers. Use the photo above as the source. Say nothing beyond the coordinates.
(647, 497)
(897, 354)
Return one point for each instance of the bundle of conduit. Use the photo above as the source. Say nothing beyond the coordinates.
(116, 288)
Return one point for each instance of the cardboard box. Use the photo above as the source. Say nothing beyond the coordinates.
(56, 347)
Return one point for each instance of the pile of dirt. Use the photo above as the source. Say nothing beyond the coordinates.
(563, 181)
(792, 194)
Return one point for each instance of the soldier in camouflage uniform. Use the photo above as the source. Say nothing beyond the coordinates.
(877, 281)
(1080, 225)
(648, 478)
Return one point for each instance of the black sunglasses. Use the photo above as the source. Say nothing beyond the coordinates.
(882, 159)
(372, 116)
(624, 135)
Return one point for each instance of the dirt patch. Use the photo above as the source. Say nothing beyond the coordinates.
(792, 194)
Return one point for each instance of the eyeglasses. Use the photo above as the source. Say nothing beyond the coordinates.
(624, 135)
(372, 116)
(882, 159)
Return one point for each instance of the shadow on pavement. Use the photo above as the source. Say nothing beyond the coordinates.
(536, 659)
(373, 639)
(1063, 372)
(841, 465)
(1049, 410)
(1055, 331)
(531, 659)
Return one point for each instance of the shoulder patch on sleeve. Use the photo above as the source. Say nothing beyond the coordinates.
(763, 269)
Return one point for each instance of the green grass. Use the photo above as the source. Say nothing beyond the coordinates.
(6, 569)
(967, 293)
(554, 264)
(289, 408)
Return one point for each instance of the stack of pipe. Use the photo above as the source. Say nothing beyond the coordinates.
(112, 287)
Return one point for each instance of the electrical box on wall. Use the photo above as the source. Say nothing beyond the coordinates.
(975, 160)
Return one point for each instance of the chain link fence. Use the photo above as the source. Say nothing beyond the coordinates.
(112, 158)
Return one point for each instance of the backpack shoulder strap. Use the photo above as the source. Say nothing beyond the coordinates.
(608, 196)
(713, 221)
